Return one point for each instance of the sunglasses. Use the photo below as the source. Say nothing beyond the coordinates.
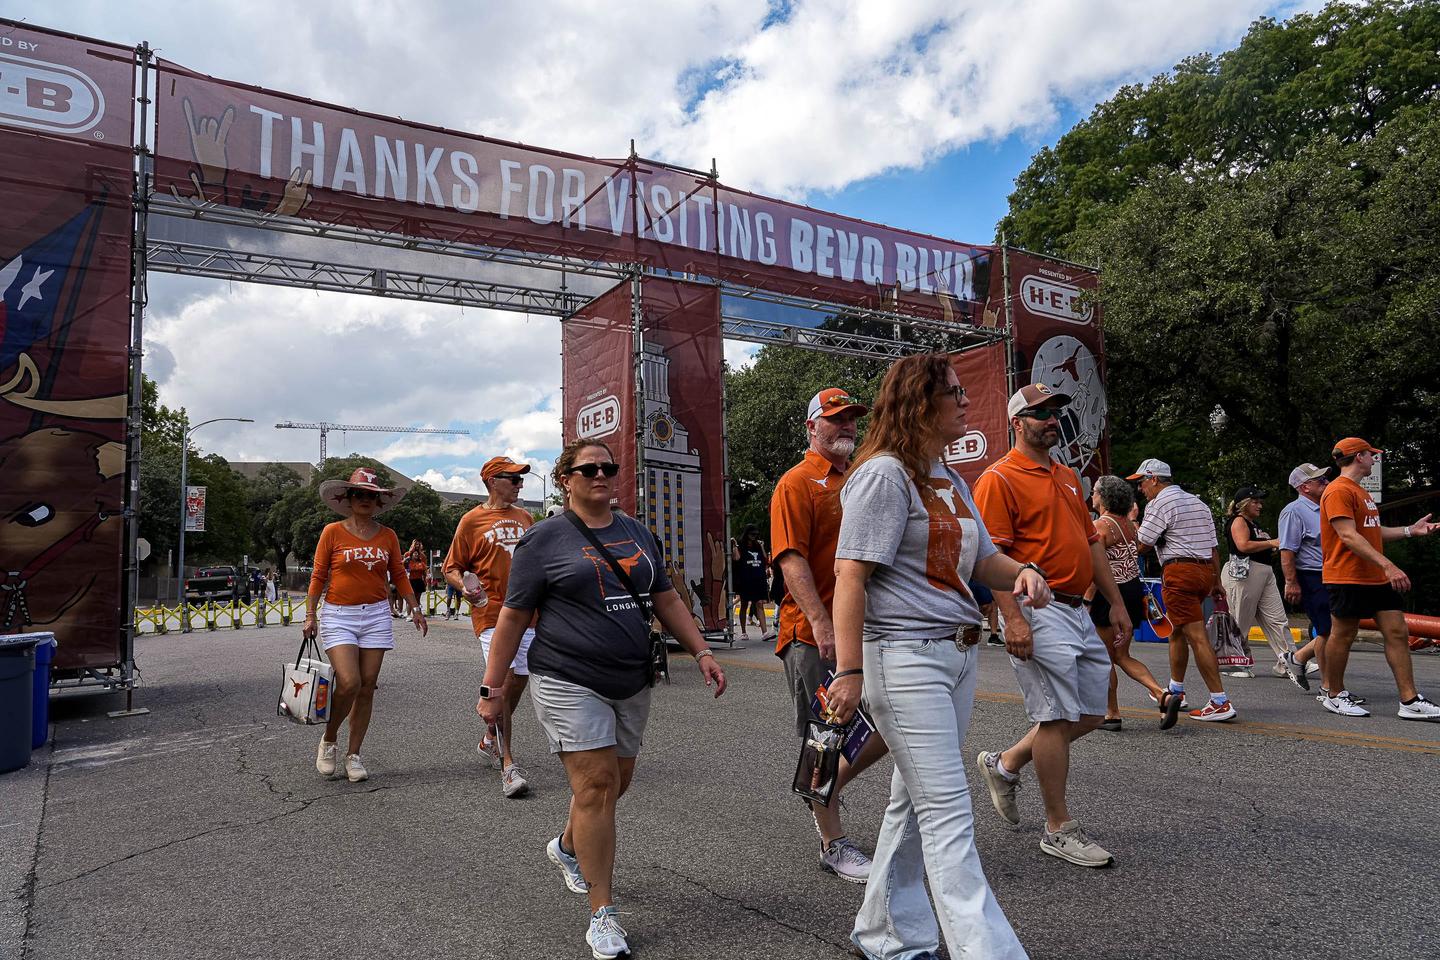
(363, 495)
(591, 470)
(512, 477)
(1040, 413)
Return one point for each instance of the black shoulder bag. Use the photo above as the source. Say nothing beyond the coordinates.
(659, 654)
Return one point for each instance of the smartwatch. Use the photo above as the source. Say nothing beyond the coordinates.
(488, 692)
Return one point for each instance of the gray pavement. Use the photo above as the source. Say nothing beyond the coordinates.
(202, 829)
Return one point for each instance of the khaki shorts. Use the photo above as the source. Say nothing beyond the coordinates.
(804, 672)
(576, 718)
(1068, 673)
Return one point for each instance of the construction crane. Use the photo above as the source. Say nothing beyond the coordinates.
(325, 427)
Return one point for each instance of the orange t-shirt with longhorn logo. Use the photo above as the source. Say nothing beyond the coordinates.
(1346, 499)
(805, 518)
(1038, 515)
(358, 571)
(484, 542)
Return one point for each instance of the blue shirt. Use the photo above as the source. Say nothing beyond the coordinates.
(1300, 533)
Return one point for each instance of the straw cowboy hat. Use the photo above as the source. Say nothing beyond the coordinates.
(335, 494)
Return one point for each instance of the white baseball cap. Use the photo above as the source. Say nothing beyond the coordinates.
(1305, 472)
(1151, 468)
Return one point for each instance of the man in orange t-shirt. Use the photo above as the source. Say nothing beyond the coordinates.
(1363, 584)
(1035, 512)
(804, 531)
(484, 540)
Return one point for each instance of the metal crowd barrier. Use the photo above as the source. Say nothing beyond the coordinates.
(210, 616)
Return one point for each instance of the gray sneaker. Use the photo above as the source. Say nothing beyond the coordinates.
(1070, 843)
(1002, 791)
(513, 781)
(1295, 670)
(846, 861)
(569, 867)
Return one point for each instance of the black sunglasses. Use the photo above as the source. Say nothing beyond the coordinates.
(363, 495)
(512, 477)
(1040, 413)
(590, 470)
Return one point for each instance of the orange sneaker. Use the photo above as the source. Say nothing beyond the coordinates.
(1214, 711)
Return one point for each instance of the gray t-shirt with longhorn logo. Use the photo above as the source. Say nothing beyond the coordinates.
(590, 630)
(925, 539)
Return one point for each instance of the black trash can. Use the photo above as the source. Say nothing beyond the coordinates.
(17, 703)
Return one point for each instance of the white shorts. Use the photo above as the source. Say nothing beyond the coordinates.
(521, 663)
(364, 625)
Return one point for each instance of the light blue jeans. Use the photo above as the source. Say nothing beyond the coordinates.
(919, 693)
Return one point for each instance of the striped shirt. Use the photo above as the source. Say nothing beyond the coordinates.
(1178, 524)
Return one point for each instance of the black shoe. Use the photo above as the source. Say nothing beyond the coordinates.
(994, 640)
(1110, 723)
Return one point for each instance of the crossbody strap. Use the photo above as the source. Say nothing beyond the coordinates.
(620, 573)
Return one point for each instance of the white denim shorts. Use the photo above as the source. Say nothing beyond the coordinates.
(521, 663)
(364, 625)
(576, 718)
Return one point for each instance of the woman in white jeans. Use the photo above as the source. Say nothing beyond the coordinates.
(1254, 599)
(907, 624)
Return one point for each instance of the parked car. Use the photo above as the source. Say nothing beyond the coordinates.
(223, 583)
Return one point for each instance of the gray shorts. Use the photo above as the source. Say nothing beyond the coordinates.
(1068, 674)
(804, 672)
(576, 718)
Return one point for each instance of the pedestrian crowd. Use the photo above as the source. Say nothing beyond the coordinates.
(886, 566)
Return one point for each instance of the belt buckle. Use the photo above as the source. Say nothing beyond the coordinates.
(967, 636)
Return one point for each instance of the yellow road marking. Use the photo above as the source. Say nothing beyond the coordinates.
(1252, 727)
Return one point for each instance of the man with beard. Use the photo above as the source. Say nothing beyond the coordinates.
(804, 532)
(1036, 514)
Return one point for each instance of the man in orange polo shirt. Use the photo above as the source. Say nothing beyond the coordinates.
(804, 531)
(1363, 583)
(1035, 511)
(484, 540)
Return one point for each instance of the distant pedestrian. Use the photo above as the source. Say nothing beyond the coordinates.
(417, 568)
(272, 586)
(749, 560)
(1034, 510)
(906, 629)
(591, 663)
(1113, 500)
(482, 547)
(1249, 581)
(1180, 529)
(1302, 562)
(1363, 583)
(356, 561)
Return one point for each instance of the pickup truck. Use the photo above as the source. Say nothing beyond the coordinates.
(223, 584)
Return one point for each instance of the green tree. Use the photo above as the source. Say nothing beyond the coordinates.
(270, 534)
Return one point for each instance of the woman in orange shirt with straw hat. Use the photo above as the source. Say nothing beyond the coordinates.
(356, 560)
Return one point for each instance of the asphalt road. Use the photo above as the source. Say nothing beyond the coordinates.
(203, 830)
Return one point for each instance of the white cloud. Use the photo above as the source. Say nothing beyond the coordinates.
(740, 355)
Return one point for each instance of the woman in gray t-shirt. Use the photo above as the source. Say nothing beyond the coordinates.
(910, 538)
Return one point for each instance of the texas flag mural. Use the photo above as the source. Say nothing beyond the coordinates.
(30, 285)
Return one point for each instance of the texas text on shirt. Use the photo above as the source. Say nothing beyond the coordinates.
(1344, 498)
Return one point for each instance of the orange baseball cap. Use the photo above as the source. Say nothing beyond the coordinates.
(498, 465)
(1351, 446)
(833, 400)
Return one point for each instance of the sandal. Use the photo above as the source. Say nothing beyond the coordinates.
(1170, 708)
(1110, 723)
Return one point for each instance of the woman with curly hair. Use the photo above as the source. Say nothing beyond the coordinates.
(906, 626)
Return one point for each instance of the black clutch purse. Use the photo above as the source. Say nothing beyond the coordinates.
(819, 763)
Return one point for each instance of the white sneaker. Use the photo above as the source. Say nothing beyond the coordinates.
(1278, 668)
(1419, 709)
(489, 752)
(355, 770)
(606, 937)
(846, 861)
(325, 758)
(1342, 704)
(1243, 673)
(1070, 843)
(513, 781)
(569, 867)
(1311, 668)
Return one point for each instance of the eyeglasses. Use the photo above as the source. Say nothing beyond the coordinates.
(954, 391)
(363, 495)
(512, 477)
(590, 470)
(1040, 413)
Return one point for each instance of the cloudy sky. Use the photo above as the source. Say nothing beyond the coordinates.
(915, 113)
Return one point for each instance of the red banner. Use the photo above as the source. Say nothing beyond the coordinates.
(1058, 342)
(683, 424)
(247, 147)
(982, 374)
(598, 382)
(65, 246)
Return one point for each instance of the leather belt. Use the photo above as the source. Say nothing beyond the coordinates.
(1069, 599)
(1205, 561)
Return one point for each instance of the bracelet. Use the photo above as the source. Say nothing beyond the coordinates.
(1407, 533)
(707, 652)
(858, 671)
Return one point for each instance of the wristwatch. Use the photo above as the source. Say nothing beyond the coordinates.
(488, 692)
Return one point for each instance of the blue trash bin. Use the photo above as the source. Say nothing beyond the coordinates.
(17, 693)
(40, 694)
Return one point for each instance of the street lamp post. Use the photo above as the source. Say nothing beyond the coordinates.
(184, 481)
